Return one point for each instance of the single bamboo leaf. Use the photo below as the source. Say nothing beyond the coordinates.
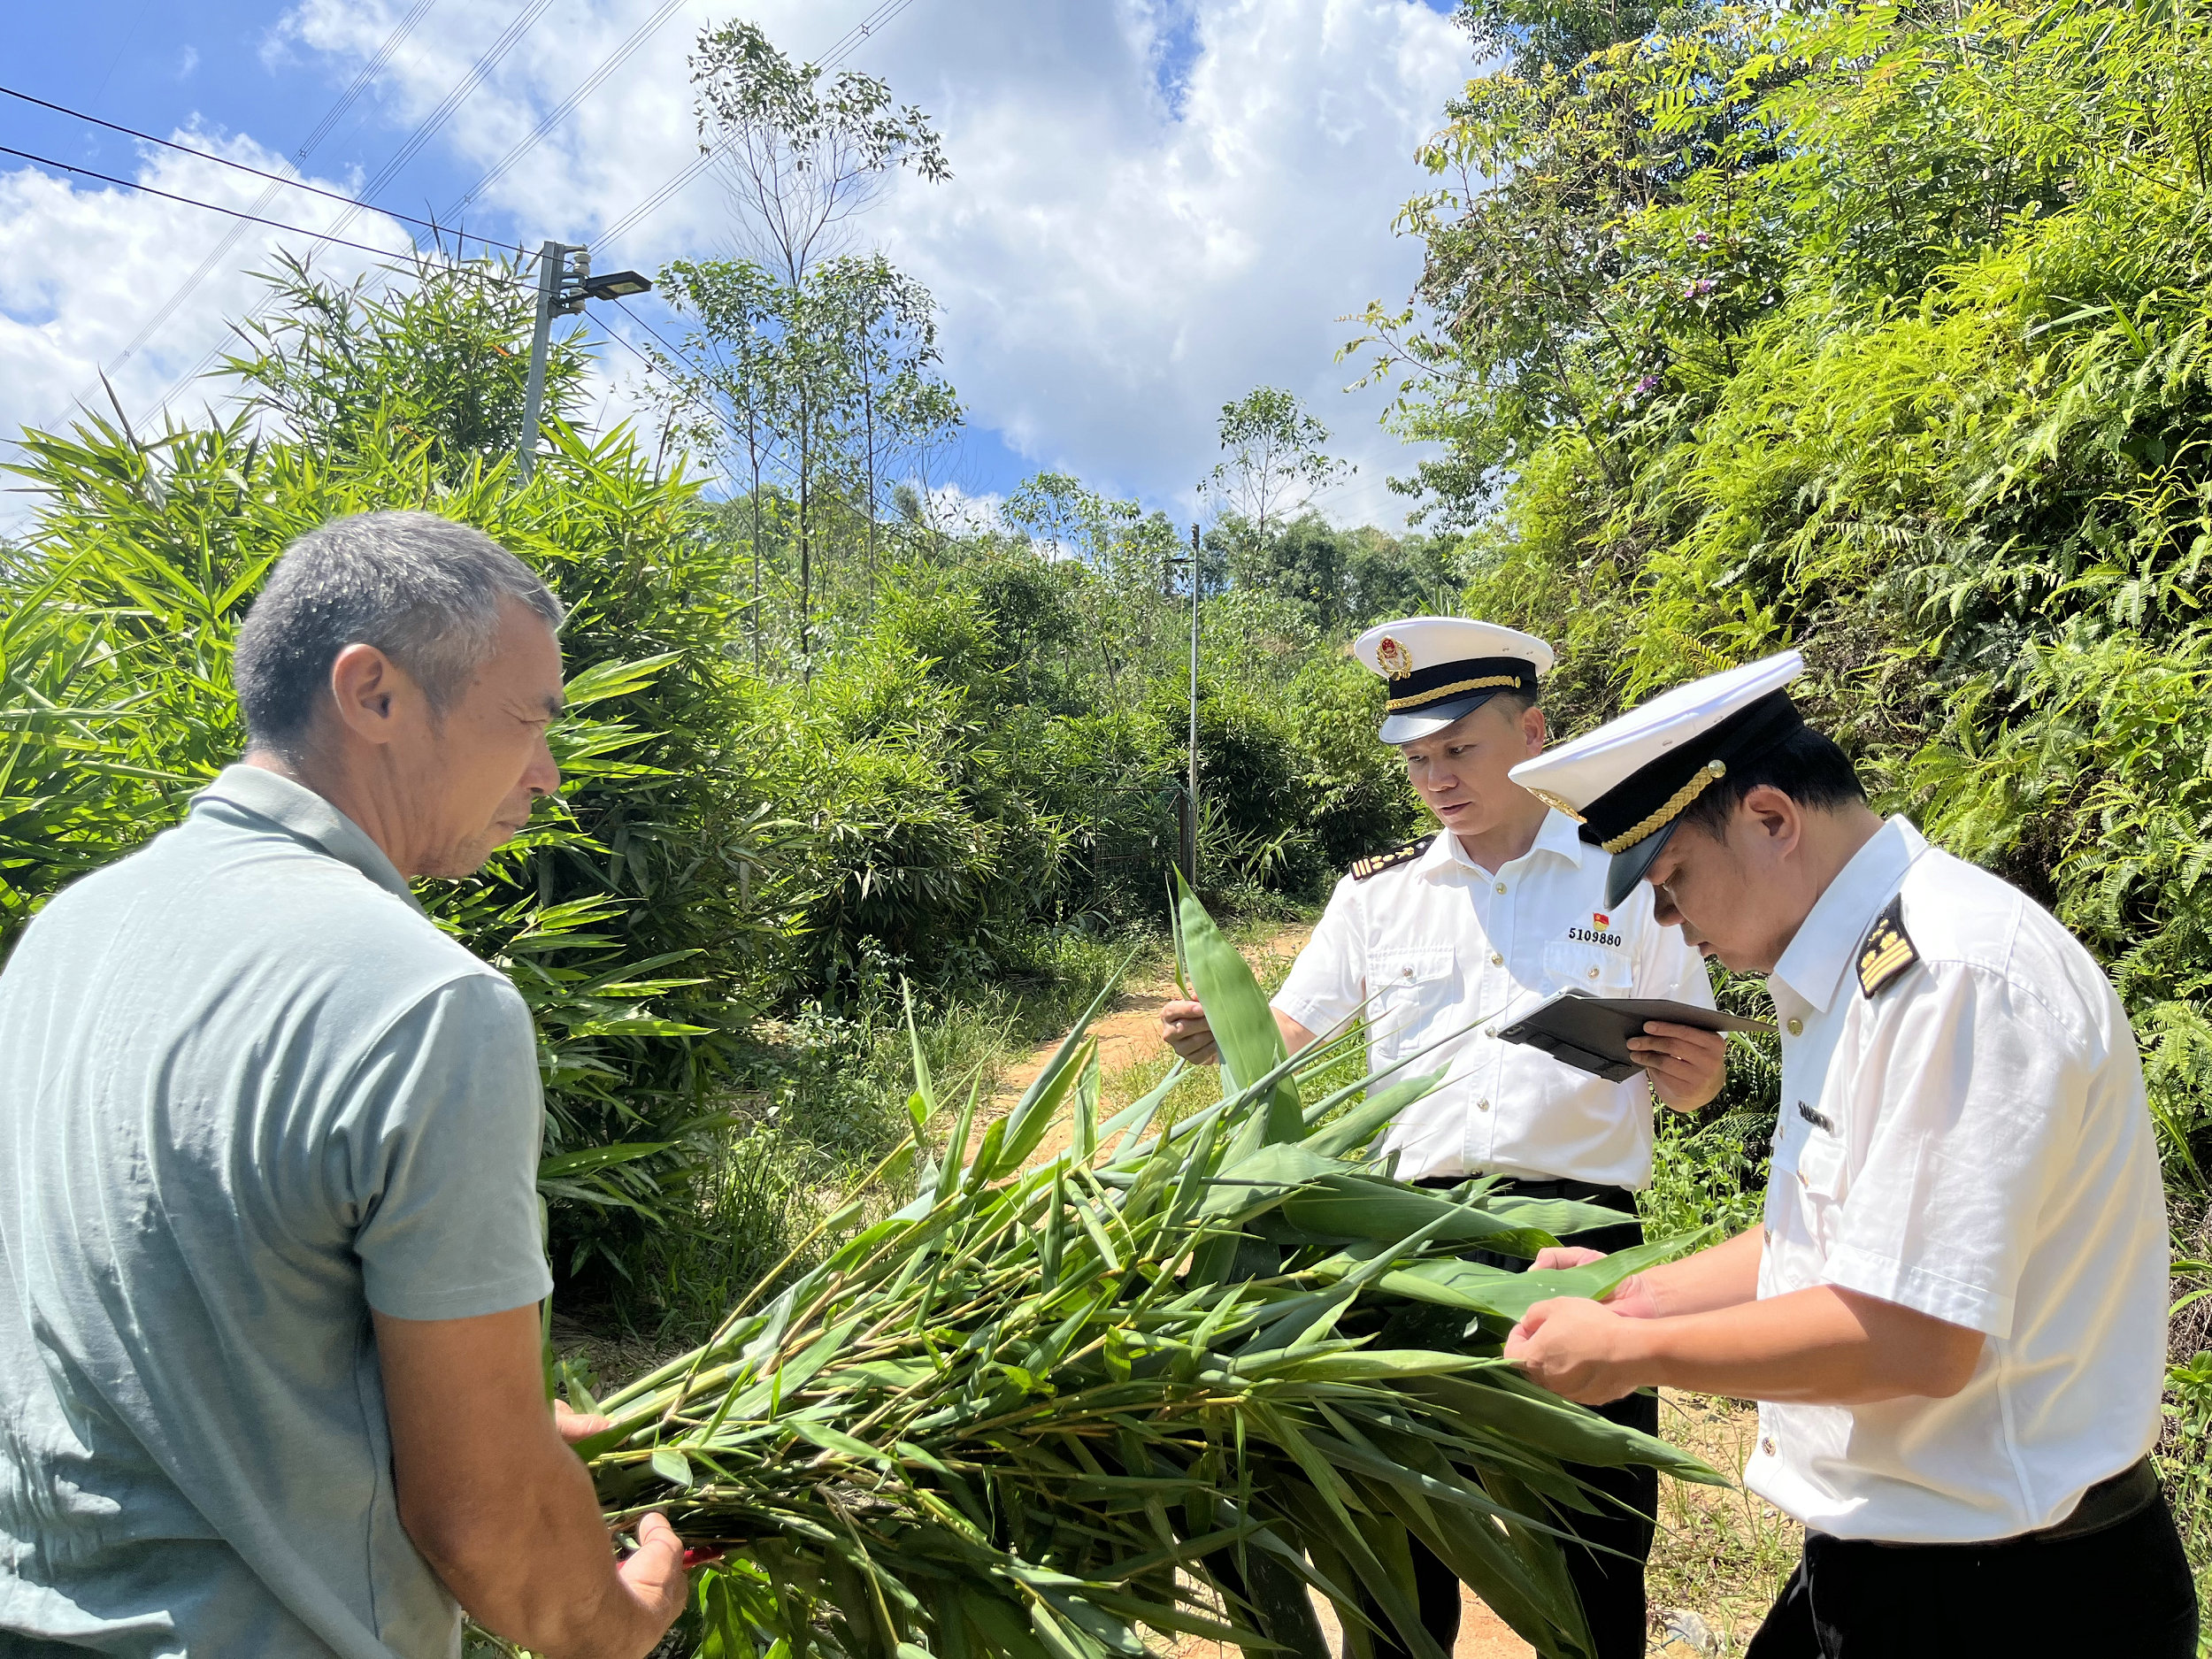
(1244, 1026)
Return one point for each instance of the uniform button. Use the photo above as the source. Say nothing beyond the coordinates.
(1500, 886)
(1482, 1105)
(1767, 1445)
(1496, 961)
(1408, 973)
(1594, 973)
(1797, 1028)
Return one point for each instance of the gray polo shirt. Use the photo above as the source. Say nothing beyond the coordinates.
(248, 1091)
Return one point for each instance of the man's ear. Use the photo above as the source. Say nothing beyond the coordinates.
(368, 693)
(1773, 816)
(1534, 729)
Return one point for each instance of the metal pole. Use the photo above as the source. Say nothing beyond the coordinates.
(1190, 825)
(552, 266)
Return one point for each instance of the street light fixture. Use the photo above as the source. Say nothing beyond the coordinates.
(616, 285)
(564, 282)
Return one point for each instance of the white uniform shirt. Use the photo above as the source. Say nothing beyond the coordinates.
(1970, 1140)
(1441, 942)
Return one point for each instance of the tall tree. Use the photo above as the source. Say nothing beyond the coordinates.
(738, 402)
(883, 328)
(828, 383)
(1276, 463)
(800, 158)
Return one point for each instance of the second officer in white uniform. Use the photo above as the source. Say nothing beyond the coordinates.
(1954, 1316)
(1503, 906)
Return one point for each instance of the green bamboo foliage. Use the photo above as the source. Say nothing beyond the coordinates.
(1054, 1406)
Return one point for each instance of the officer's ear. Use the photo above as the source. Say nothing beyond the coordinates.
(1772, 819)
(1534, 729)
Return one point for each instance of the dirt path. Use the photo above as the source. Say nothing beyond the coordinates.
(1128, 1033)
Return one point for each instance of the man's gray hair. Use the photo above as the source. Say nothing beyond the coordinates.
(422, 589)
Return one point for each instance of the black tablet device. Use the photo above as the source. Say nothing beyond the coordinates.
(1592, 1032)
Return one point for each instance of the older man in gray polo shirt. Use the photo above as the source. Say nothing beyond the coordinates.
(269, 1244)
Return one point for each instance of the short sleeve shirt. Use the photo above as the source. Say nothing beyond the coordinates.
(1967, 1137)
(1437, 946)
(247, 1092)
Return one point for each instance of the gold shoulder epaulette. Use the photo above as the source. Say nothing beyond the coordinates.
(1887, 950)
(1374, 864)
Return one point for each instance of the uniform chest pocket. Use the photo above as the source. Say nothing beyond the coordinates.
(1413, 993)
(1820, 1164)
(1813, 1175)
(1600, 969)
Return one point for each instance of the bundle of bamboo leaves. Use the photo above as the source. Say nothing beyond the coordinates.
(1159, 1382)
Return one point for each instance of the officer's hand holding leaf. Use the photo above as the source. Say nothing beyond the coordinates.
(1183, 1027)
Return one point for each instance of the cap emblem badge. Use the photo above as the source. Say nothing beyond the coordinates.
(1396, 661)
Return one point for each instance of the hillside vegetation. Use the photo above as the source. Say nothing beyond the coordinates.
(1883, 331)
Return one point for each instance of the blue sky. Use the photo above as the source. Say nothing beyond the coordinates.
(1156, 203)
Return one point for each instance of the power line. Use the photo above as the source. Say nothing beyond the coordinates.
(221, 250)
(560, 112)
(369, 72)
(239, 166)
(189, 201)
(649, 329)
(425, 130)
(487, 61)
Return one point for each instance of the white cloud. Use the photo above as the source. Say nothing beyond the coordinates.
(89, 267)
(1116, 259)
(1157, 205)
(1112, 276)
(949, 507)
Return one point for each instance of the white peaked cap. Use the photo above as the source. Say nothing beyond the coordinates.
(1440, 668)
(1627, 782)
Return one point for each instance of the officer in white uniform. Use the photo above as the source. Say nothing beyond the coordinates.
(1953, 1316)
(1479, 922)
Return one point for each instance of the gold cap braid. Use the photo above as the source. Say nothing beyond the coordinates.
(1709, 773)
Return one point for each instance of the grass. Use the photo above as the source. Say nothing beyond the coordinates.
(1722, 1552)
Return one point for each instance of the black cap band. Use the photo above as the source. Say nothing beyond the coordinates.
(1424, 688)
(1654, 795)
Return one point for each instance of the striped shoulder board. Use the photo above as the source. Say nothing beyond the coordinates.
(1375, 864)
(1886, 951)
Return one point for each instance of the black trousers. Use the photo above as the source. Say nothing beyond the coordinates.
(2124, 1592)
(1611, 1587)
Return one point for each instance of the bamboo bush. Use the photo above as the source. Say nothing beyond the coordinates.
(1053, 1407)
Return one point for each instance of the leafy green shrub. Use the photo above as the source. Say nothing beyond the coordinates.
(139, 561)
